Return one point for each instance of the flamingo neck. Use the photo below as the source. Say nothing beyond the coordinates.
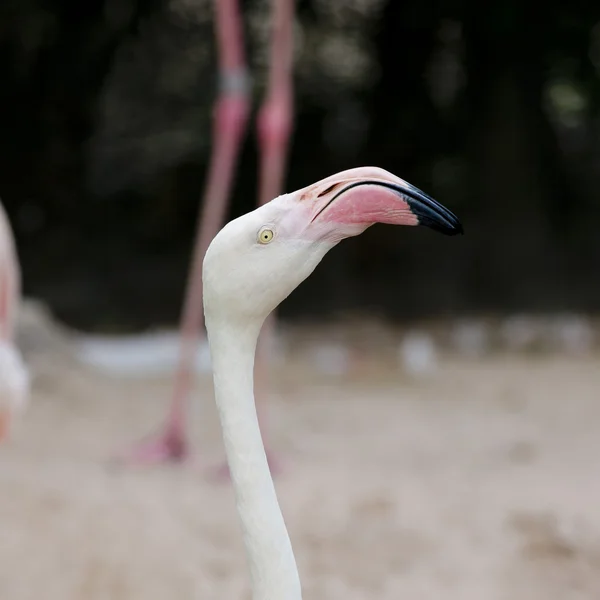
(273, 569)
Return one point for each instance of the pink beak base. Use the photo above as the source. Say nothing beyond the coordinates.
(368, 203)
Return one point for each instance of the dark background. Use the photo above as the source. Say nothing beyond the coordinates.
(491, 107)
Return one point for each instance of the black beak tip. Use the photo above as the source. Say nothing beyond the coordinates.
(432, 214)
(444, 226)
(455, 229)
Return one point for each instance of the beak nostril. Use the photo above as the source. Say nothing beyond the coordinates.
(329, 189)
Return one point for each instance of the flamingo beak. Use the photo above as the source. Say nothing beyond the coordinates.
(375, 196)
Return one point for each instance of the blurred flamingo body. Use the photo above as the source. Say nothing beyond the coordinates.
(14, 377)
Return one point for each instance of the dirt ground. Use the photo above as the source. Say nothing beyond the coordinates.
(478, 482)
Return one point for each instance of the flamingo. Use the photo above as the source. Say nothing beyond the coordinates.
(230, 121)
(253, 264)
(14, 376)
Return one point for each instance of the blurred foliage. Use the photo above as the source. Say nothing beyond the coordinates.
(493, 108)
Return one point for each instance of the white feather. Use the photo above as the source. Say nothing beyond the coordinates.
(14, 380)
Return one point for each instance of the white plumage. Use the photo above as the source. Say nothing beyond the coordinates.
(250, 267)
(14, 376)
(14, 380)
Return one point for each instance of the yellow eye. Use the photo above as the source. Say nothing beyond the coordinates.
(265, 236)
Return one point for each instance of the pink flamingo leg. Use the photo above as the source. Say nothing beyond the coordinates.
(274, 132)
(230, 120)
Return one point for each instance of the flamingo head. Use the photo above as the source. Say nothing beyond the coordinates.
(258, 259)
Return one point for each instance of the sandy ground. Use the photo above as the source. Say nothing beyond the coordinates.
(480, 482)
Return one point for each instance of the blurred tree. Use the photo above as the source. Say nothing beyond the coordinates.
(495, 109)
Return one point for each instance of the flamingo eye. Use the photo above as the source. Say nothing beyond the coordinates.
(265, 236)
